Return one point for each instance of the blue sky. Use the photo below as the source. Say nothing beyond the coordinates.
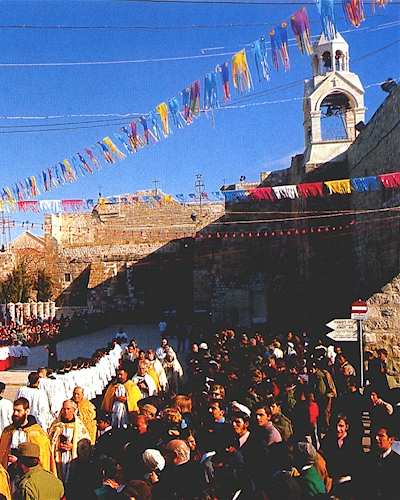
(237, 142)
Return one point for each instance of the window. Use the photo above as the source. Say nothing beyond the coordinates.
(334, 109)
(326, 61)
(67, 277)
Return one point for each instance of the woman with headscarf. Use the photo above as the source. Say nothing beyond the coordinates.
(173, 371)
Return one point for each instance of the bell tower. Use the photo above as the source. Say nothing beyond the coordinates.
(333, 103)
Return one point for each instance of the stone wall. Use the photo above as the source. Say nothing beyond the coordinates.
(126, 256)
(376, 241)
(309, 279)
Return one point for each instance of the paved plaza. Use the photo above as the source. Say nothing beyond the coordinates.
(147, 336)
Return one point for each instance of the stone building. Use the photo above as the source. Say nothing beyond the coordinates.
(126, 257)
(282, 269)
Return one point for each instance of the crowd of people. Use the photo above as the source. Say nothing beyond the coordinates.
(236, 418)
(32, 332)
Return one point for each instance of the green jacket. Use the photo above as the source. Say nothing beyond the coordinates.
(38, 484)
(311, 482)
(284, 425)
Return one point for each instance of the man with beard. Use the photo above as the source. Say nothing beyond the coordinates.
(65, 433)
(38, 400)
(25, 429)
(121, 399)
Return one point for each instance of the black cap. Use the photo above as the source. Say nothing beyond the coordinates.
(104, 416)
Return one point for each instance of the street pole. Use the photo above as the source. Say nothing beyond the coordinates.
(360, 341)
(199, 186)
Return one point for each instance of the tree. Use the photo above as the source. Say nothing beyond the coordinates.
(44, 286)
(18, 285)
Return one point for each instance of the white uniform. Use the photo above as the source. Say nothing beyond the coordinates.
(6, 411)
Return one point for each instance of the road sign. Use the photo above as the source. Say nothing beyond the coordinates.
(359, 309)
(342, 335)
(344, 330)
(343, 324)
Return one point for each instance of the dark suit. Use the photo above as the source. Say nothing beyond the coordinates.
(110, 443)
(381, 477)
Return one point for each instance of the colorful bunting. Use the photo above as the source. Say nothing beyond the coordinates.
(155, 124)
(162, 110)
(301, 29)
(378, 3)
(105, 152)
(284, 47)
(224, 70)
(195, 98)
(240, 72)
(327, 13)
(341, 186)
(85, 164)
(365, 184)
(391, 180)
(187, 112)
(210, 91)
(274, 49)
(310, 189)
(286, 192)
(260, 56)
(263, 193)
(155, 127)
(92, 157)
(113, 148)
(173, 106)
(69, 173)
(354, 11)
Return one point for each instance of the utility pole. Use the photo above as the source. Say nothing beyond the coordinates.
(199, 187)
(156, 183)
(5, 232)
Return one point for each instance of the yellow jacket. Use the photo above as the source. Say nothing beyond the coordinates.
(133, 395)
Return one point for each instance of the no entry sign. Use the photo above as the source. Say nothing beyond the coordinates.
(359, 309)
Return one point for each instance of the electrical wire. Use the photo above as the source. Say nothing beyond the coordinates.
(141, 61)
(241, 2)
(32, 128)
(307, 217)
(293, 43)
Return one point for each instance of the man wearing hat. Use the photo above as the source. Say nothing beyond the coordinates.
(25, 429)
(36, 482)
(109, 439)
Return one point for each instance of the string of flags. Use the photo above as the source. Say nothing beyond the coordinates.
(191, 102)
(78, 205)
(270, 193)
(315, 189)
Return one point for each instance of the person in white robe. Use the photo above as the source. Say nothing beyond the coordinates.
(38, 401)
(158, 368)
(6, 409)
(173, 371)
(144, 381)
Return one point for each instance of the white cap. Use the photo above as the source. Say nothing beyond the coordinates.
(203, 345)
(241, 407)
(153, 459)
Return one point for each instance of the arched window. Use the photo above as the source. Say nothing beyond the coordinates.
(333, 109)
(327, 61)
(339, 61)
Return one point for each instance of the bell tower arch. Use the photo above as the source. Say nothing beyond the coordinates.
(333, 103)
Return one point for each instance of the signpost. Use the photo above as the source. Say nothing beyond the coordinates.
(350, 330)
(344, 330)
(359, 312)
